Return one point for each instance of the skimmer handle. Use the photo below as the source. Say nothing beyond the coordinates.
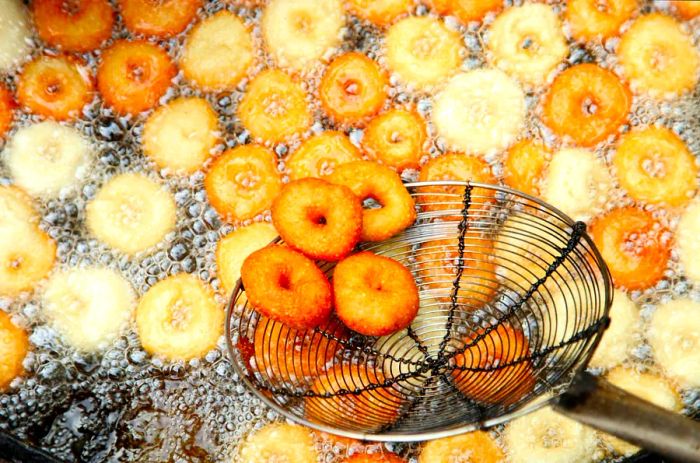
(597, 403)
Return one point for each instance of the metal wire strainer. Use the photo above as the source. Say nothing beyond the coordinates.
(514, 299)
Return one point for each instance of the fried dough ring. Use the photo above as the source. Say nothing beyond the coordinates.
(7, 107)
(274, 107)
(466, 10)
(374, 295)
(379, 12)
(180, 135)
(233, 248)
(454, 166)
(481, 111)
(352, 88)
(369, 409)
(655, 166)
(320, 219)
(634, 245)
(396, 138)
(524, 165)
(527, 42)
(134, 75)
(504, 345)
(179, 318)
(279, 442)
(382, 457)
(686, 9)
(320, 154)
(586, 103)
(55, 86)
(658, 57)
(13, 349)
(75, 26)
(243, 182)
(288, 355)
(477, 447)
(161, 19)
(436, 267)
(286, 286)
(422, 51)
(218, 52)
(588, 21)
(369, 180)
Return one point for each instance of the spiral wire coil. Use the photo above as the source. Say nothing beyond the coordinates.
(514, 297)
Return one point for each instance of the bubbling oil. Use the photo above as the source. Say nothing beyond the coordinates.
(122, 405)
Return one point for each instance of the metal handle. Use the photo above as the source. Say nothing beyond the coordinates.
(15, 450)
(597, 403)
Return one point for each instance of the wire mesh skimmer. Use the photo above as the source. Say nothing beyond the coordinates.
(514, 298)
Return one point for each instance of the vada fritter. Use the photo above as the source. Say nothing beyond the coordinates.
(384, 457)
(374, 295)
(320, 219)
(286, 286)
(367, 408)
(655, 166)
(353, 88)
(161, 19)
(369, 180)
(243, 182)
(476, 447)
(57, 87)
(7, 106)
(284, 354)
(503, 352)
(319, 155)
(279, 442)
(634, 244)
(133, 75)
(396, 138)
(14, 344)
(82, 27)
(586, 103)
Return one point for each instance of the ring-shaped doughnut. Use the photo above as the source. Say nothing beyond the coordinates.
(320, 154)
(373, 408)
(527, 42)
(379, 12)
(352, 88)
(54, 86)
(658, 57)
(396, 138)
(287, 286)
(76, 26)
(369, 180)
(161, 19)
(460, 167)
(7, 108)
(318, 218)
(655, 166)
(634, 245)
(243, 182)
(374, 295)
(274, 107)
(133, 75)
(596, 20)
(13, 349)
(524, 165)
(502, 349)
(586, 103)
(478, 283)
